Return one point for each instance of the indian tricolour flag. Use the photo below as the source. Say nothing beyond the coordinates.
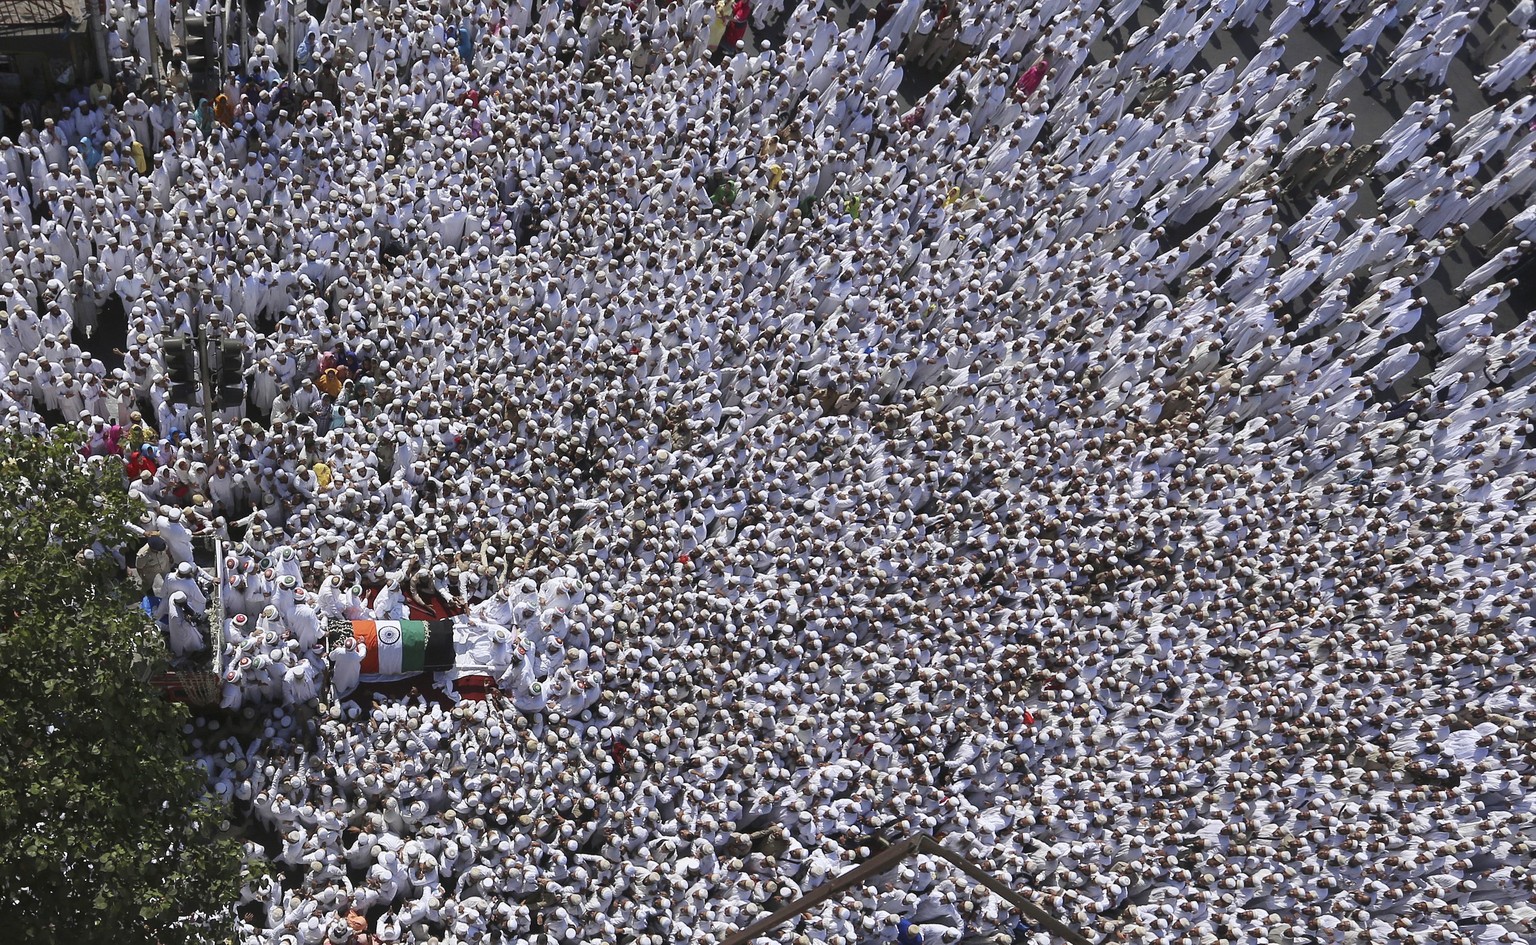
(402, 647)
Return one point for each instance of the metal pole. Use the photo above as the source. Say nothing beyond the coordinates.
(204, 378)
(243, 35)
(154, 58)
(96, 22)
(213, 32)
(224, 39)
(292, 45)
(216, 629)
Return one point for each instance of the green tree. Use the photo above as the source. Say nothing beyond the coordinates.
(106, 830)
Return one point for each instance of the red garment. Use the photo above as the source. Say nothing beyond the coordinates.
(475, 687)
(1032, 77)
(139, 463)
(736, 30)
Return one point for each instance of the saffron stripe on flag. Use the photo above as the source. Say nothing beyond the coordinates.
(366, 633)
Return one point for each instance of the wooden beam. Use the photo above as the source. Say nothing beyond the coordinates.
(886, 859)
(869, 869)
(971, 868)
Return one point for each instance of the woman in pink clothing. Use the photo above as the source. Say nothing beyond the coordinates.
(1032, 77)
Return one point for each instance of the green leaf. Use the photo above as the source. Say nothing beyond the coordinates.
(99, 809)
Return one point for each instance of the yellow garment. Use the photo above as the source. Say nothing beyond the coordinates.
(329, 382)
(717, 26)
(140, 160)
(137, 435)
(323, 475)
(775, 174)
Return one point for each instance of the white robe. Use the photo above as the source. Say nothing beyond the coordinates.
(185, 637)
(346, 667)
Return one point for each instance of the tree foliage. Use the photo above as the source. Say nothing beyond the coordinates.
(106, 833)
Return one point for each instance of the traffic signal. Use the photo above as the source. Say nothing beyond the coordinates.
(231, 374)
(198, 35)
(181, 367)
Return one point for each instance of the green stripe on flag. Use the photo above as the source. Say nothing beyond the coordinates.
(414, 638)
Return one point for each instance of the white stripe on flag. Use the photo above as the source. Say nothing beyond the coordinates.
(391, 647)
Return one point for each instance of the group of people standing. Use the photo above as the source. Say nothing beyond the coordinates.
(1003, 420)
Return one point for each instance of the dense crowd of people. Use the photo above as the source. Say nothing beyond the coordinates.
(1060, 456)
